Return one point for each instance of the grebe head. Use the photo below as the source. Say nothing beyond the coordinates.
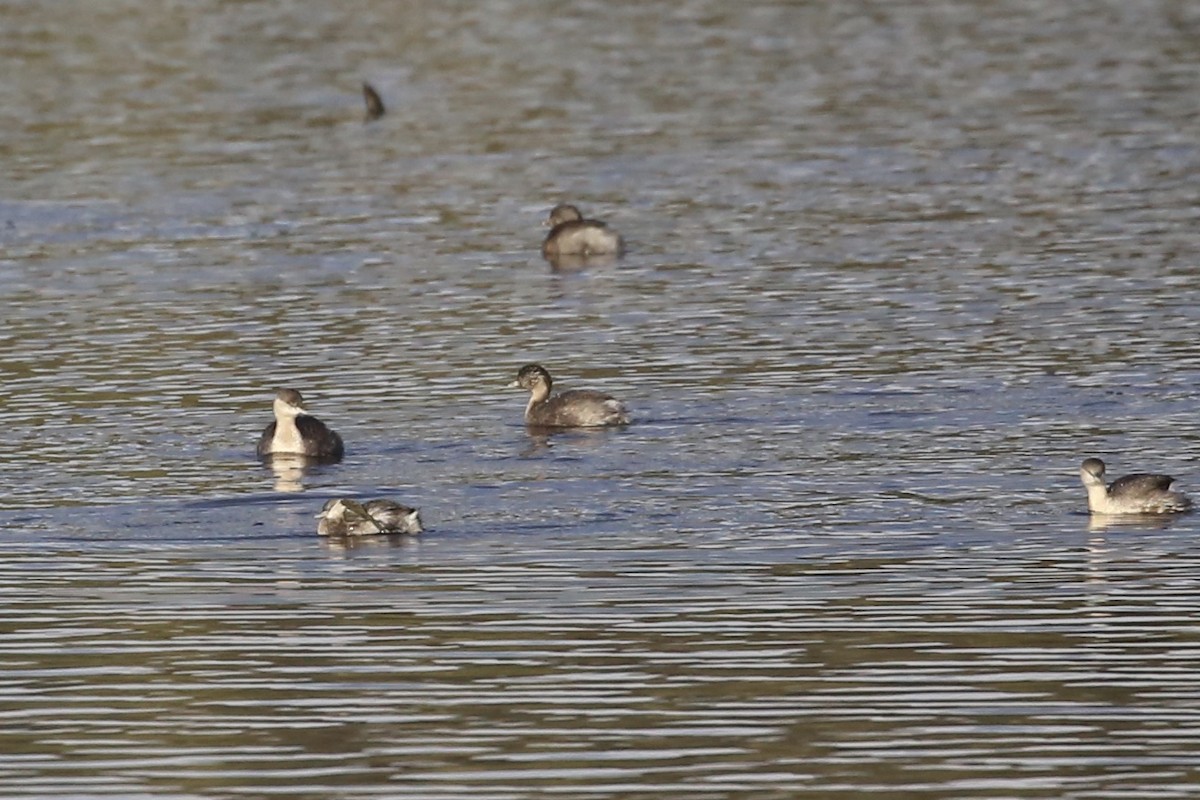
(563, 212)
(341, 517)
(1092, 472)
(340, 509)
(533, 377)
(289, 403)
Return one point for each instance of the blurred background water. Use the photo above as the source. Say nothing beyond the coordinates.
(894, 269)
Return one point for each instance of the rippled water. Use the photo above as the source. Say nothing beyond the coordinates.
(894, 270)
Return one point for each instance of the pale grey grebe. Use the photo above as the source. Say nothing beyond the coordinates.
(577, 408)
(572, 235)
(343, 517)
(1132, 494)
(296, 432)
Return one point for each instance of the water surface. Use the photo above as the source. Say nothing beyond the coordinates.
(894, 271)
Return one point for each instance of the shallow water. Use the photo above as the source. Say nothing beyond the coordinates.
(893, 271)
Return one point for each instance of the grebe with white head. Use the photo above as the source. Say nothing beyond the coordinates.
(296, 432)
(1141, 493)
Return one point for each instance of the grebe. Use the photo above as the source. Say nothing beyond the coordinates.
(572, 235)
(297, 432)
(343, 517)
(577, 408)
(1133, 494)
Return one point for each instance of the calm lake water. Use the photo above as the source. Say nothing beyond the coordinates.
(894, 270)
